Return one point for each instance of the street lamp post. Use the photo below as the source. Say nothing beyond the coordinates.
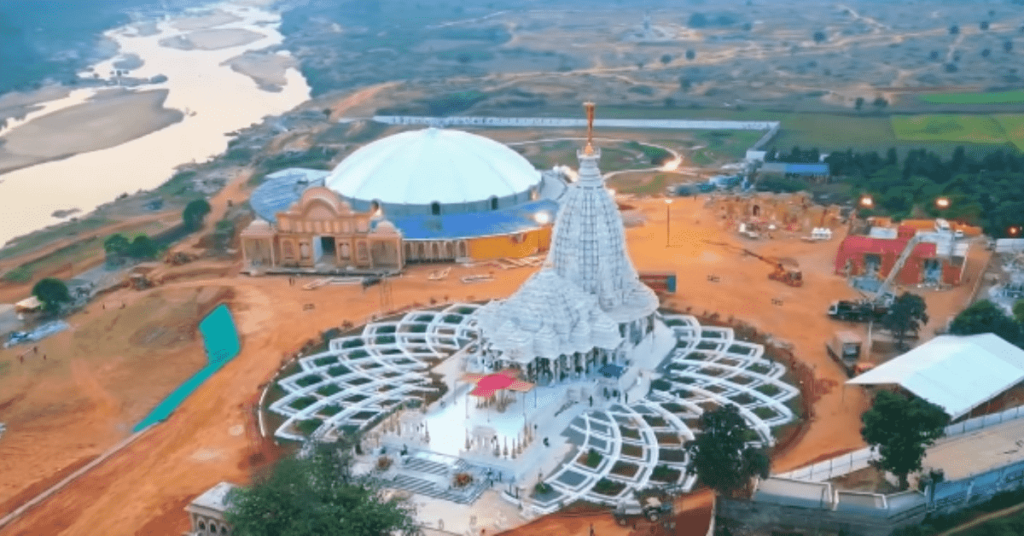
(668, 224)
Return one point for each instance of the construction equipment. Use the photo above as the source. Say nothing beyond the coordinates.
(845, 348)
(651, 508)
(874, 307)
(786, 270)
(177, 258)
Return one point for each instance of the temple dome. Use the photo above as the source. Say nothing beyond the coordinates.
(433, 166)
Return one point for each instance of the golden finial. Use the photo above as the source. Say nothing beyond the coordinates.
(589, 149)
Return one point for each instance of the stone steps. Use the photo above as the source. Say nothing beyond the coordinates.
(430, 489)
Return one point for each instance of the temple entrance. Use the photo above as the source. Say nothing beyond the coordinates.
(328, 247)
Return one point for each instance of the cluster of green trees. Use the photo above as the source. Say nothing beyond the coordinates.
(119, 248)
(984, 316)
(720, 455)
(318, 494)
(52, 293)
(983, 191)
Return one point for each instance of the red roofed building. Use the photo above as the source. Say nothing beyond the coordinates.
(862, 255)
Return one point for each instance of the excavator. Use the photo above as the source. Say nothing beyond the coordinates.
(785, 271)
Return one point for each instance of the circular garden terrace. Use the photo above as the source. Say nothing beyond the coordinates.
(614, 447)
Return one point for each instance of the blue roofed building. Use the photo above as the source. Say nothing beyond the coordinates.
(819, 170)
(431, 195)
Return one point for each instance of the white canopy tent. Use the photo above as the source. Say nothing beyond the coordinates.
(956, 373)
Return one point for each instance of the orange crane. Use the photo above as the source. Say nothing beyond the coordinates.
(786, 270)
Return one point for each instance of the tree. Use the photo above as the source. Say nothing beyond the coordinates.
(954, 29)
(316, 495)
(52, 292)
(983, 25)
(116, 247)
(666, 58)
(690, 54)
(719, 455)
(892, 157)
(1018, 312)
(880, 102)
(698, 20)
(142, 247)
(984, 316)
(934, 55)
(194, 214)
(859, 103)
(900, 429)
(1007, 46)
(985, 52)
(819, 37)
(907, 315)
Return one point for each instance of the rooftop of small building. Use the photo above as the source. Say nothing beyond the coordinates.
(214, 498)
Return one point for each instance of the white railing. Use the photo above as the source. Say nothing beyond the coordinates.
(860, 459)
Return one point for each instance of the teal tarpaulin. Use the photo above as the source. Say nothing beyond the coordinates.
(220, 337)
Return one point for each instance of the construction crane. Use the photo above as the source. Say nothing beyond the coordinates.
(786, 270)
(875, 306)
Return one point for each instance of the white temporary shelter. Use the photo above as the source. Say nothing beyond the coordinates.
(953, 372)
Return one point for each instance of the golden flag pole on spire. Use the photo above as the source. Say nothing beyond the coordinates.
(589, 149)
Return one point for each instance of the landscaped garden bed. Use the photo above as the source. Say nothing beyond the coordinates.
(308, 380)
(592, 458)
(635, 451)
(765, 412)
(625, 469)
(303, 403)
(743, 399)
(655, 421)
(629, 432)
(666, 438)
(608, 487)
(672, 455)
(328, 390)
(664, 473)
(323, 361)
(338, 370)
(768, 389)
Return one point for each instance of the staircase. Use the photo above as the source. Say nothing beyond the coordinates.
(432, 478)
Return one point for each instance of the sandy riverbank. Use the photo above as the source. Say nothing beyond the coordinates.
(267, 69)
(16, 105)
(215, 39)
(206, 20)
(110, 118)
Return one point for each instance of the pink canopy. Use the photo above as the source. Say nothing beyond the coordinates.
(490, 384)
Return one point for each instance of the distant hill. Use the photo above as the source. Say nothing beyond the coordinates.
(43, 40)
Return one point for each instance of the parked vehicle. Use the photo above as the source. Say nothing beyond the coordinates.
(845, 347)
(651, 508)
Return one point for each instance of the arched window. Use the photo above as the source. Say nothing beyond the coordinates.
(494, 203)
(202, 526)
(223, 530)
(435, 208)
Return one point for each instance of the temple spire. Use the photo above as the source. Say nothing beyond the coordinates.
(589, 149)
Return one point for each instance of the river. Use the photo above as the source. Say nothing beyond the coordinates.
(218, 100)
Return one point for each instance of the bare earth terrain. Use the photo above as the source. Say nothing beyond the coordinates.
(88, 392)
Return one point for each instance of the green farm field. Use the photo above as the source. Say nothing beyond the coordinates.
(996, 97)
(975, 129)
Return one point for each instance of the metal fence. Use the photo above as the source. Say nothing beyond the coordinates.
(860, 459)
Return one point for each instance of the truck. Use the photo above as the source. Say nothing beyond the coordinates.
(651, 508)
(845, 348)
(858, 311)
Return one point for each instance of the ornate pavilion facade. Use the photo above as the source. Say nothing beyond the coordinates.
(587, 306)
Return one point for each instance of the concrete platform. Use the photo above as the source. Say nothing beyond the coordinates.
(978, 452)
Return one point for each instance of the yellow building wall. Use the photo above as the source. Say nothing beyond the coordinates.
(498, 247)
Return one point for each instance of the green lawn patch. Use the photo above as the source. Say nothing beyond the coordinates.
(948, 128)
(328, 390)
(994, 97)
(769, 389)
(1013, 127)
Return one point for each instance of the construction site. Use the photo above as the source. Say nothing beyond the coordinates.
(75, 395)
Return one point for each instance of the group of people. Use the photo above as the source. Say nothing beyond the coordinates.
(34, 350)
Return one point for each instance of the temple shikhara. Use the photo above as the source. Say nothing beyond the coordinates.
(586, 304)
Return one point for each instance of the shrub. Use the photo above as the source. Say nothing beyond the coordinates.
(664, 473)
(383, 463)
(593, 458)
(608, 487)
(329, 390)
(541, 488)
(338, 370)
